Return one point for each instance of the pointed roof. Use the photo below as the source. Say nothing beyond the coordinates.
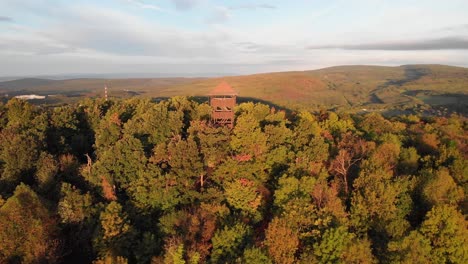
(223, 89)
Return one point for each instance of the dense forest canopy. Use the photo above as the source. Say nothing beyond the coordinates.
(135, 181)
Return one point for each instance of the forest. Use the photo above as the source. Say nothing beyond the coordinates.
(139, 181)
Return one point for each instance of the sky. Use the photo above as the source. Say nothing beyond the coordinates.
(208, 37)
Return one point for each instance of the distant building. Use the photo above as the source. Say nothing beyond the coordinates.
(30, 96)
(223, 101)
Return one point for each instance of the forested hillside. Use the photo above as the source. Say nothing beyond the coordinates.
(428, 89)
(134, 181)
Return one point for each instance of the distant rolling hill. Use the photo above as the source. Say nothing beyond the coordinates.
(90, 85)
(31, 83)
(352, 87)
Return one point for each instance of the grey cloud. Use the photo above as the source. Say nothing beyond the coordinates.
(249, 46)
(257, 48)
(185, 4)
(5, 19)
(286, 62)
(36, 46)
(449, 43)
(461, 27)
(38, 49)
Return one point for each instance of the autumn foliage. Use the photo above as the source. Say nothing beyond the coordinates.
(137, 181)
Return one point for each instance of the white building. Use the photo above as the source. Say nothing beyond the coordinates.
(30, 96)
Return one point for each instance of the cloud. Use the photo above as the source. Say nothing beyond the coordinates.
(31, 45)
(248, 46)
(455, 28)
(253, 48)
(219, 15)
(23, 40)
(103, 32)
(84, 38)
(185, 4)
(143, 5)
(116, 33)
(5, 19)
(447, 43)
(253, 6)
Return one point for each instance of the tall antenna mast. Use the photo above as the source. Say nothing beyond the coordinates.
(105, 92)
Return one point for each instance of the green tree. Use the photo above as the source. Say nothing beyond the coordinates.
(409, 159)
(459, 171)
(440, 188)
(18, 156)
(114, 236)
(248, 137)
(109, 131)
(375, 124)
(309, 207)
(380, 206)
(121, 163)
(46, 173)
(63, 128)
(147, 247)
(339, 246)
(28, 231)
(255, 256)
(73, 206)
(229, 242)
(243, 194)
(277, 135)
(332, 245)
(3, 116)
(414, 248)
(175, 254)
(310, 158)
(185, 109)
(113, 222)
(153, 190)
(291, 188)
(154, 123)
(446, 229)
(336, 125)
(213, 141)
(306, 127)
(186, 163)
(20, 114)
(94, 110)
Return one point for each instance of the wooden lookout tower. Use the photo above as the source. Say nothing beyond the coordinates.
(223, 101)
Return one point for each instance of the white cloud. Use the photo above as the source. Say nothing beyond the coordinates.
(81, 38)
(253, 6)
(144, 5)
(185, 4)
(219, 15)
(119, 33)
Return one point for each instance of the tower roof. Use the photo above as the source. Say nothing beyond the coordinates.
(223, 89)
